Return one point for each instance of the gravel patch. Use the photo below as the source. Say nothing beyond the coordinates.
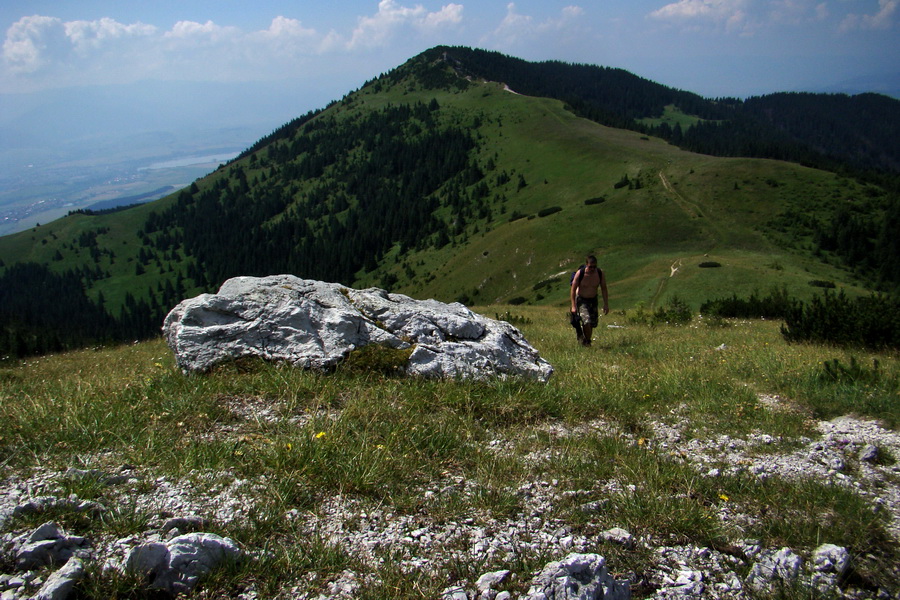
(857, 454)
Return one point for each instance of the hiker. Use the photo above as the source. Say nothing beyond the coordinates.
(585, 283)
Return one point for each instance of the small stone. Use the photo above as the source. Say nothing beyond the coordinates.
(619, 536)
(774, 566)
(491, 580)
(829, 558)
(60, 585)
(869, 453)
(47, 531)
(15, 582)
(454, 593)
(593, 506)
(185, 524)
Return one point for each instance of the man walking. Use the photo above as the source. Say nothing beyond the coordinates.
(585, 284)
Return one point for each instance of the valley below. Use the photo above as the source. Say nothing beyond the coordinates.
(31, 194)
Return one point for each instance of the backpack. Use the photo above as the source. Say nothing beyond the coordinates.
(580, 274)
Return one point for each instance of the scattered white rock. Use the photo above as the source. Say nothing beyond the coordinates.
(774, 568)
(178, 565)
(61, 583)
(617, 535)
(492, 580)
(366, 531)
(577, 577)
(48, 545)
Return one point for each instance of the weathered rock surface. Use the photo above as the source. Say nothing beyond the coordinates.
(780, 566)
(314, 324)
(577, 577)
(48, 545)
(178, 565)
(61, 583)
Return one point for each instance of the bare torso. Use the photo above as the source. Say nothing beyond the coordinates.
(590, 282)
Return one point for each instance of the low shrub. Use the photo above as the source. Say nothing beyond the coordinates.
(836, 371)
(822, 284)
(675, 312)
(833, 318)
(544, 212)
(546, 283)
(709, 265)
(774, 306)
(512, 319)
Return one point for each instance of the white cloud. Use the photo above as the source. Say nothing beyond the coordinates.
(749, 16)
(378, 29)
(41, 51)
(731, 14)
(693, 9)
(882, 19)
(31, 42)
(207, 33)
(798, 11)
(452, 14)
(517, 29)
(91, 35)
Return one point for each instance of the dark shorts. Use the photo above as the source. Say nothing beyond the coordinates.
(587, 310)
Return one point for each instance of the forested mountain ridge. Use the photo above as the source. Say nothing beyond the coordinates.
(437, 181)
(831, 131)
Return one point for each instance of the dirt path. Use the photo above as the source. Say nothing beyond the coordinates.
(691, 209)
(675, 266)
(663, 281)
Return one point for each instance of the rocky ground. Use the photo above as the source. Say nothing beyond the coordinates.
(858, 454)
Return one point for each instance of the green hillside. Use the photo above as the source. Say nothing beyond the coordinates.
(427, 183)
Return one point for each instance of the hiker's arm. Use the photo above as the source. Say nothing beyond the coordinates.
(605, 293)
(572, 293)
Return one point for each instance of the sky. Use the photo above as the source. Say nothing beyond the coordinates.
(328, 48)
(95, 92)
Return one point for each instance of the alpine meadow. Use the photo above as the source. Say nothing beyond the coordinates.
(727, 408)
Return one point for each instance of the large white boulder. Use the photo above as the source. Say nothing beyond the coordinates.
(314, 324)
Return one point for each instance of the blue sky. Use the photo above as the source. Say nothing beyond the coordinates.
(712, 47)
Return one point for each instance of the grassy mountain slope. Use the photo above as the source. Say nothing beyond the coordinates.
(360, 193)
(688, 207)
